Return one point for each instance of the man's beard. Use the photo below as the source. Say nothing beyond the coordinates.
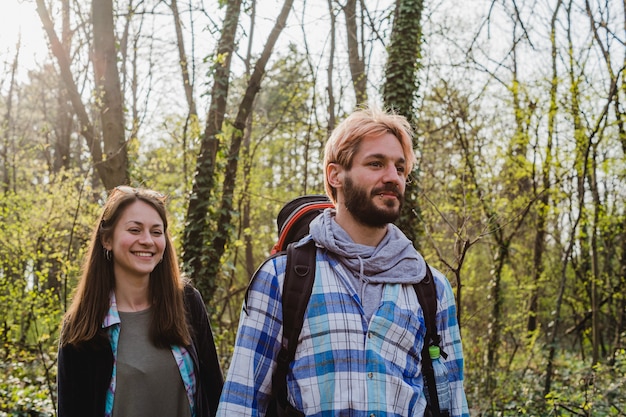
(361, 205)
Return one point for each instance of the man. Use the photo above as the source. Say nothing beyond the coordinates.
(360, 346)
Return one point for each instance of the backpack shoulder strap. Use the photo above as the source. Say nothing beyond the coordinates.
(297, 288)
(426, 291)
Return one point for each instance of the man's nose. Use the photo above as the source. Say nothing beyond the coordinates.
(392, 175)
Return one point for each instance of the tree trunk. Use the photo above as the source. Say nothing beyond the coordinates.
(224, 226)
(246, 223)
(182, 59)
(575, 235)
(401, 87)
(248, 160)
(620, 329)
(355, 56)
(188, 86)
(544, 199)
(196, 236)
(556, 319)
(117, 164)
(400, 91)
(109, 94)
(330, 70)
(599, 210)
(129, 68)
(596, 278)
(8, 146)
(65, 117)
(495, 324)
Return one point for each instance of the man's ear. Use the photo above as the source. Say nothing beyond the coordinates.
(335, 174)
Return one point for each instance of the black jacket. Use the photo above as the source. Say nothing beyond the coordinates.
(84, 373)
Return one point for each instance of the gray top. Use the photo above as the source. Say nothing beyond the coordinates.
(148, 380)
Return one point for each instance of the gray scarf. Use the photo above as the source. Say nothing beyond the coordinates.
(394, 260)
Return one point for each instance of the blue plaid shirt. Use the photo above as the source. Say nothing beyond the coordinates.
(343, 364)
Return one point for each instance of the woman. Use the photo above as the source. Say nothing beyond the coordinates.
(136, 340)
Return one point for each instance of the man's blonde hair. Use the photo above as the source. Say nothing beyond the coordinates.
(345, 140)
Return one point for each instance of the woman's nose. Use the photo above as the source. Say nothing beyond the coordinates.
(146, 238)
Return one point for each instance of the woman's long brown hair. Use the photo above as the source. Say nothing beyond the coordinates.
(84, 318)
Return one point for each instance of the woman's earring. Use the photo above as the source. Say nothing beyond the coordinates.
(107, 254)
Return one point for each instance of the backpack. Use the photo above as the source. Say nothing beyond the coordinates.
(293, 224)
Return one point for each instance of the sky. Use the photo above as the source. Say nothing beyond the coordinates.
(19, 20)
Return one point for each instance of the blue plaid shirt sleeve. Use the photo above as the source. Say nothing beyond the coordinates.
(247, 387)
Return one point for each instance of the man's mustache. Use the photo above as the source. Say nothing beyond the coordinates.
(388, 188)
